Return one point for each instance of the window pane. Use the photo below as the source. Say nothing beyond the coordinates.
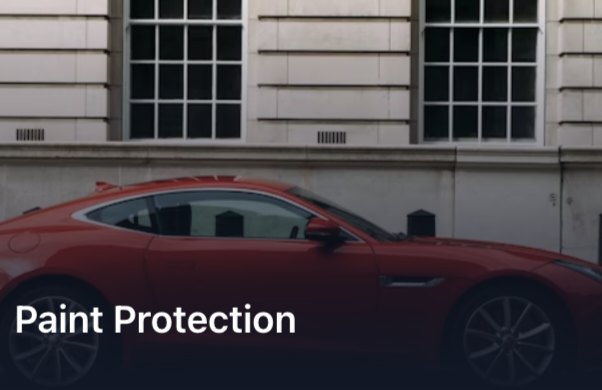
(497, 11)
(171, 118)
(436, 80)
(466, 122)
(171, 82)
(468, 10)
(524, 44)
(466, 45)
(495, 45)
(200, 9)
(228, 118)
(143, 81)
(171, 44)
(229, 82)
(436, 122)
(523, 122)
(200, 43)
(495, 122)
(438, 11)
(229, 9)
(229, 43)
(200, 121)
(436, 45)
(171, 9)
(142, 9)
(523, 84)
(229, 214)
(200, 82)
(142, 121)
(495, 84)
(143, 42)
(525, 11)
(466, 84)
(132, 215)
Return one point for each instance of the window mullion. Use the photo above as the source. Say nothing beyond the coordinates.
(214, 78)
(185, 78)
(157, 70)
(451, 72)
(509, 72)
(480, 81)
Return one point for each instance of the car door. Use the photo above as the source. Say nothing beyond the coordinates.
(225, 249)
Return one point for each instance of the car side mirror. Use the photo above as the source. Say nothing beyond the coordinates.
(323, 231)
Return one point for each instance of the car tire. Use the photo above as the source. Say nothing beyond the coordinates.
(64, 361)
(510, 337)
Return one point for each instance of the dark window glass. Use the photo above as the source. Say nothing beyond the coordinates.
(523, 84)
(466, 45)
(171, 121)
(523, 123)
(200, 82)
(466, 83)
(229, 43)
(525, 11)
(495, 122)
(200, 43)
(524, 44)
(200, 9)
(200, 121)
(171, 43)
(142, 121)
(229, 82)
(466, 122)
(143, 81)
(436, 122)
(132, 215)
(497, 11)
(228, 118)
(171, 82)
(438, 11)
(436, 80)
(229, 215)
(495, 45)
(468, 10)
(171, 9)
(229, 9)
(495, 84)
(142, 9)
(436, 44)
(143, 42)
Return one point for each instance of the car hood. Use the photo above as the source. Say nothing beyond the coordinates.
(517, 251)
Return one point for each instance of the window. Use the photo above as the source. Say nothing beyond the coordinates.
(132, 215)
(351, 218)
(185, 72)
(482, 71)
(229, 215)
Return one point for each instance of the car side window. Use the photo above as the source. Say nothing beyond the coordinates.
(132, 215)
(228, 214)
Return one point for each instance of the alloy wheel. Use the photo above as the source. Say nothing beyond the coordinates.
(509, 341)
(54, 360)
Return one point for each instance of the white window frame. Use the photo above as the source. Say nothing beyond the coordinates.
(539, 85)
(126, 100)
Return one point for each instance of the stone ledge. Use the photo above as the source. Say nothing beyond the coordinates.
(436, 156)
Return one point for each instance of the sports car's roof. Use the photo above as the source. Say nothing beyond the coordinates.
(195, 180)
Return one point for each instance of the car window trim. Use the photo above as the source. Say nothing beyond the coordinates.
(81, 215)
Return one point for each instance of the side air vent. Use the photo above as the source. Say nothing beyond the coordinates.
(332, 137)
(30, 134)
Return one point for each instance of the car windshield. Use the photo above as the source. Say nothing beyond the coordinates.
(351, 218)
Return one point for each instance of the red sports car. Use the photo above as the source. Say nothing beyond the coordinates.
(278, 266)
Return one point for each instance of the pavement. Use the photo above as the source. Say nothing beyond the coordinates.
(236, 370)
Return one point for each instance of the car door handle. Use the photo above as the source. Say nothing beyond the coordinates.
(182, 265)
